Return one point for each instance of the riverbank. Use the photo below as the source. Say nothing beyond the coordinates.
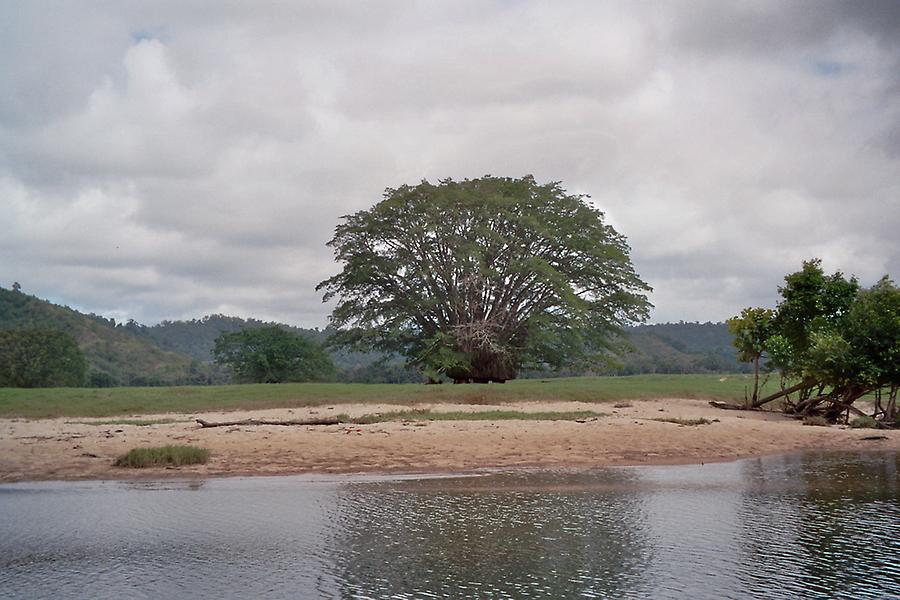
(75, 448)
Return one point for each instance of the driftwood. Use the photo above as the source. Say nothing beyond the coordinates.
(728, 405)
(325, 421)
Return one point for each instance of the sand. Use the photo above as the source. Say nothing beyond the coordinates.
(64, 449)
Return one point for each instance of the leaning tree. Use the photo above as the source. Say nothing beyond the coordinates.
(832, 341)
(476, 279)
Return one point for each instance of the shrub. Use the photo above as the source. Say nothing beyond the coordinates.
(864, 423)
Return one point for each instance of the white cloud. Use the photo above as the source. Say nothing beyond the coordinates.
(189, 158)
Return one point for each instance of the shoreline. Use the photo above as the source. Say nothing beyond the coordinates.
(69, 449)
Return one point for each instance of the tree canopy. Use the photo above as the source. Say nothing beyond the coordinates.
(40, 358)
(272, 355)
(837, 340)
(476, 279)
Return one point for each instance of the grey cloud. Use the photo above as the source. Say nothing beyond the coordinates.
(173, 159)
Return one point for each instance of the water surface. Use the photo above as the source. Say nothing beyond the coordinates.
(807, 525)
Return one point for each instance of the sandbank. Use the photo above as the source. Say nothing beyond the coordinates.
(71, 448)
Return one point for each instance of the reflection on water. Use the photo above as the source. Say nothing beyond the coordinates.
(515, 535)
(812, 526)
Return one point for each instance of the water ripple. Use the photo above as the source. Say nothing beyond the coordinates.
(812, 526)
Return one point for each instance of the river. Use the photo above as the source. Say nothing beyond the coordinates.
(795, 526)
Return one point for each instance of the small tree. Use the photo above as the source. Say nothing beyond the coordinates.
(40, 358)
(836, 341)
(751, 330)
(478, 278)
(272, 355)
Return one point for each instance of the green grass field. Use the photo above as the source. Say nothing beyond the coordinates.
(108, 402)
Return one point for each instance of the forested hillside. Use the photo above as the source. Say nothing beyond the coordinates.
(663, 348)
(197, 338)
(180, 352)
(680, 348)
(116, 355)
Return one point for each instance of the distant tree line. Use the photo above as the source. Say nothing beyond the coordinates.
(32, 358)
(272, 355)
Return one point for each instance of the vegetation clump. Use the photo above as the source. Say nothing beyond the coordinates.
(272, 355)
(32, 358)
(134, 422)
(163, 456)
(816, 421)
(864, 422)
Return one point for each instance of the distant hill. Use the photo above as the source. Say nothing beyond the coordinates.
(680, 348)
(197, 338)
(663, 348)
(180, 352)
(116, 353)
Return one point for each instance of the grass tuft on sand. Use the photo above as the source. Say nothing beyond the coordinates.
(135, 422)
(163, 456)
(481, 415)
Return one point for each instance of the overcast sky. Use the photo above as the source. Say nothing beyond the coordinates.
(168, 160)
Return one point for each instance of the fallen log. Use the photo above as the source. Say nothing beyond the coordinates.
(252, 422)
(782, 393)
(728, 405)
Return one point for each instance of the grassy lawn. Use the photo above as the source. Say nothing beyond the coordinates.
(107, 402)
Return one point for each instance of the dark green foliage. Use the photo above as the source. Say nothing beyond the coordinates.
(476, 279)
(839, 341)
(40, 358)
(164, 456)
(197, 337)
(99, 379)
(812, 304)
(272, 355)
(117, 354)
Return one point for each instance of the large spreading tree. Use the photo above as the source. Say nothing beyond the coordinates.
(479, 278)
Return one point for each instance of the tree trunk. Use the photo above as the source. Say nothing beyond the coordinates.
(890, 411)
(755, 397)
(782, 393)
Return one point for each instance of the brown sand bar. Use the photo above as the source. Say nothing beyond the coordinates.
(63, 449)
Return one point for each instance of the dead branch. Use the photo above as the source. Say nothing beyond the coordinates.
(781, 393)
(253, 422)
(728, 405)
